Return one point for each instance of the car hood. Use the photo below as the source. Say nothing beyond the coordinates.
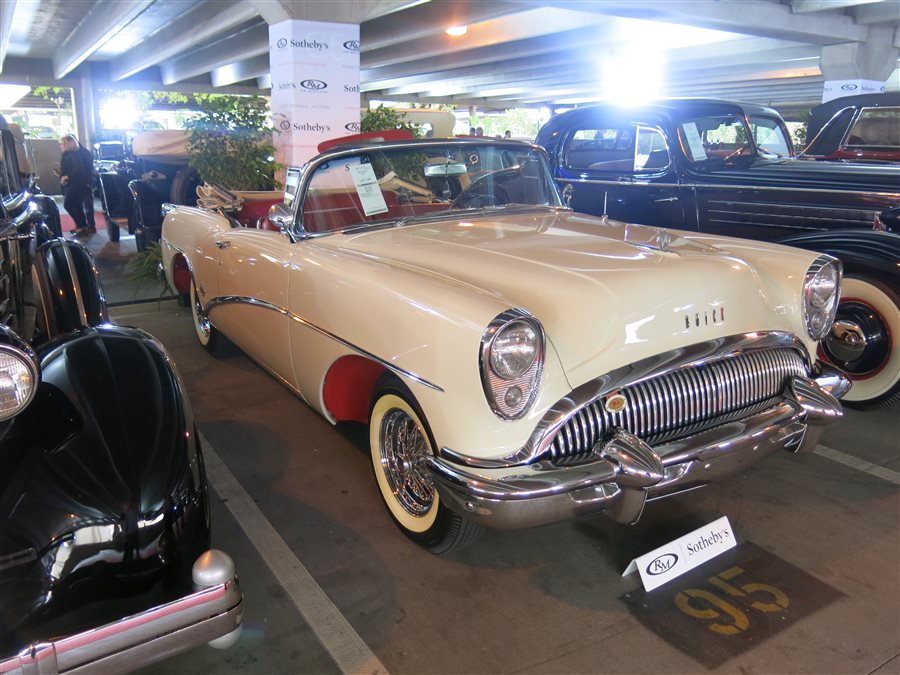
(604, 291)
(801, 173)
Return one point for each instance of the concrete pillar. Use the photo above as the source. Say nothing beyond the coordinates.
(859, 67)
(314, 67)
(84, 105)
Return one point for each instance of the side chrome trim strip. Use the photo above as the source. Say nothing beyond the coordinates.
(724, 186)
(240, 299)
(686, 357)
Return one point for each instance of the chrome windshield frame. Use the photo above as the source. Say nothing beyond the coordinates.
(298, 232)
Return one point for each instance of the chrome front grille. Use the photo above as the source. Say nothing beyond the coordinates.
(683, 401)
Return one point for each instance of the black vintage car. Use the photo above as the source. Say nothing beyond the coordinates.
(728, 169)
(105, 562)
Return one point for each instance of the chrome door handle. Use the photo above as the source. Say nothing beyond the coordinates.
(223, 243)
(666, 199)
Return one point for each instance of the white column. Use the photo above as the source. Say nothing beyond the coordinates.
(315, 85)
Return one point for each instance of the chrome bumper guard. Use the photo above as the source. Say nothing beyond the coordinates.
(626, 472)
(212, 614)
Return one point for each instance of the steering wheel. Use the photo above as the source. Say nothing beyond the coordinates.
(481, 194)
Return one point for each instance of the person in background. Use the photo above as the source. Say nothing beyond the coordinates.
(87, 159)
(75, 181)
(507, 134)
(479, 131)
(471, 131)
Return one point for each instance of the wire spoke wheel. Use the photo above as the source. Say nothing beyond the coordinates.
(404, 451)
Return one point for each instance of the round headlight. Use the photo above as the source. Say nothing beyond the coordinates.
(511, 359)
(513, 350)
(18, 381)
(821, 292)
(823, 286)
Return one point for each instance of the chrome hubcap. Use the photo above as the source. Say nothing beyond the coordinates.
(847, 341)
(403, 455)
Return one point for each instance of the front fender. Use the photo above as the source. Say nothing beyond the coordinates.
(103, 502)
(859, 250)
(67, 285)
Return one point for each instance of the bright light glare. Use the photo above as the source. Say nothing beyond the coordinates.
(456, 31)
(118, 113)
(633, 76)
(11, 93)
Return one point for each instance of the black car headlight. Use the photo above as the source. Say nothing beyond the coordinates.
(821, 292)
(18, 380)
(512, 358)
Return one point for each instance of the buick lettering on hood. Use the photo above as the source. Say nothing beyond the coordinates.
(517, 363)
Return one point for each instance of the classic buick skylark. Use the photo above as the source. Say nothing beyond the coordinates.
(517, 363)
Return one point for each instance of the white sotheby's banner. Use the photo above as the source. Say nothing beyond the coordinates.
(683, 554)
(315, 85)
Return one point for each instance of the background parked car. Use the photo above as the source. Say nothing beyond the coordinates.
(726, 168)
(104, 509)
(132, 188)
(863, 128)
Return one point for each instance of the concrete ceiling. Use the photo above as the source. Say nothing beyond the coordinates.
(515, 53)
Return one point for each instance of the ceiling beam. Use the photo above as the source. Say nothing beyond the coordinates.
(249, 69)
(247, 44)
(101, 23)
(804, 6)
(882, 12)
(750, 17)
(6, 17)
(201, 23)
(355, 11)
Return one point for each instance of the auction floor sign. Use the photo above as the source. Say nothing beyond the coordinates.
(683, 554)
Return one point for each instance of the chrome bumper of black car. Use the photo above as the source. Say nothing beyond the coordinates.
(212, 615)
(624, 472)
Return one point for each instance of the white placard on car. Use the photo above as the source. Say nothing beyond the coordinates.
(685, 553)
(368, 189)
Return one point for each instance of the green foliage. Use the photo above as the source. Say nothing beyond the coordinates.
(231, 142)
(142, 267)
(383, 119)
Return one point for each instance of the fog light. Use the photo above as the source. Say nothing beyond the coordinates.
(513, 397)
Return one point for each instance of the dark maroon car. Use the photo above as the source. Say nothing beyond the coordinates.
(862, 128)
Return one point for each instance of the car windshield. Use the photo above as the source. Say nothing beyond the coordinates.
(769, 137)
(727, 136)
(405, 181)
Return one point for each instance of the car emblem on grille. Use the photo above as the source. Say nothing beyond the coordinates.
(615, 403)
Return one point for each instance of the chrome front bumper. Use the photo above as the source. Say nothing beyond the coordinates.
(626, 472)
(212, 615)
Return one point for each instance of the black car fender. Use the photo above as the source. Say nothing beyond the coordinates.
(67, 287)
(870, 251)
(104, 503)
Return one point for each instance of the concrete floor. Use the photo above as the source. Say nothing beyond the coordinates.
(547, 600)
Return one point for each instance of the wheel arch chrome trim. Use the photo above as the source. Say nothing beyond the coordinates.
(256, 302)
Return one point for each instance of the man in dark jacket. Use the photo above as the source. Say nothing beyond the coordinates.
(88, 160)
(76, 182)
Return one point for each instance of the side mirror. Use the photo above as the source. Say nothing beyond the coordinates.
(281, 216)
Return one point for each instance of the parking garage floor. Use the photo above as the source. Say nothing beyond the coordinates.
(332, 586)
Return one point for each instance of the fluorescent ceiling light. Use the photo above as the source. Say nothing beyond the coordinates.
(456, 31)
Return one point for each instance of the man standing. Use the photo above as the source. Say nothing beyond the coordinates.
(88, 160)
(76, 182)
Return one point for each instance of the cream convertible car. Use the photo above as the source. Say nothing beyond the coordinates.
(517, 363)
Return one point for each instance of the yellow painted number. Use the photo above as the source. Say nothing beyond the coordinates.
(740, 622)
